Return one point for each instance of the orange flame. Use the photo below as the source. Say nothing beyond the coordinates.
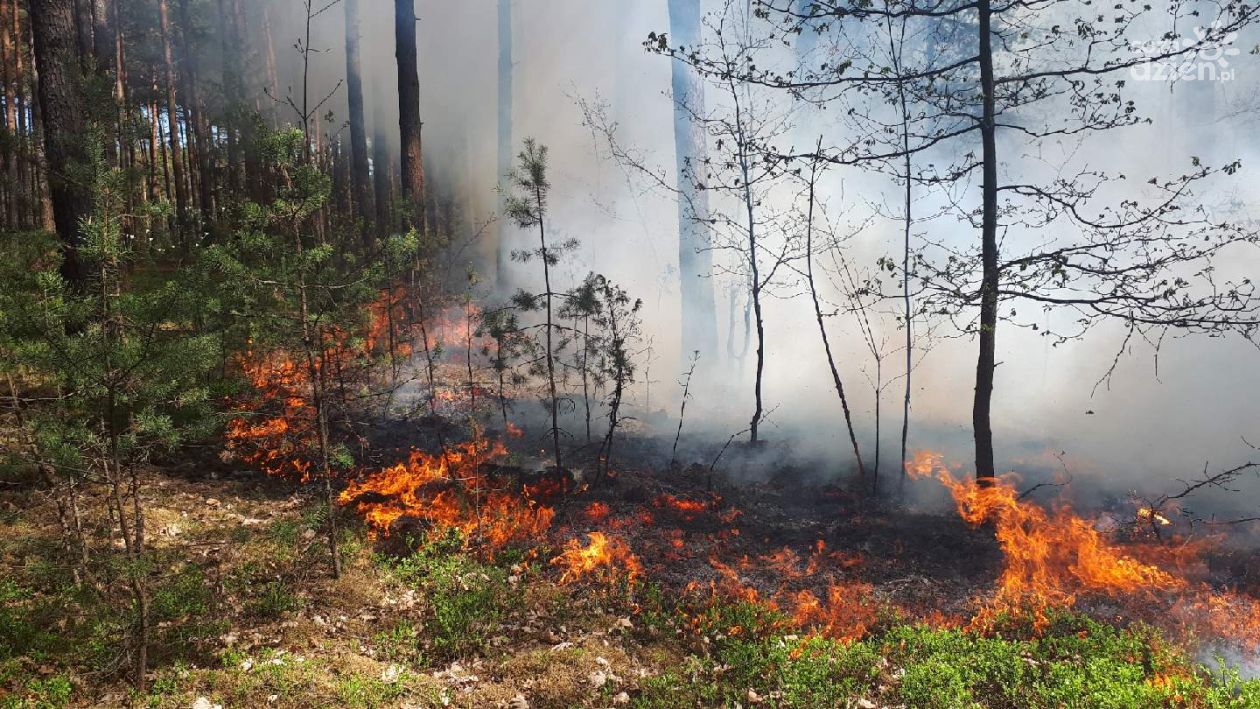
(1051, 556)
(1147, 515)
(606, 556)
(448, 491)
(596, 512)
(688, 510)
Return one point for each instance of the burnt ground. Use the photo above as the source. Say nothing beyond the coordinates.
(247, 538)
(760, 520)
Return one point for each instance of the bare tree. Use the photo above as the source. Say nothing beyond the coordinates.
(822, 327)
(740, 169)
(1070, 242)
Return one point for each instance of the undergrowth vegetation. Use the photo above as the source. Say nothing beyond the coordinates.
(440, 626)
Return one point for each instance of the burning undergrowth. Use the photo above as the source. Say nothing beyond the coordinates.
(822, 562)
(826, 561)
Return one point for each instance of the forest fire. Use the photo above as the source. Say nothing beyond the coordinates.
(845, 610)
(606, 557)
(685, 509)
(580, 401)
(275, 426)
(1050, 556)
(447, 491)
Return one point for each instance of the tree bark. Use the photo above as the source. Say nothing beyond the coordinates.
(83, 32)
(985, 364)
(11, 194)
(102, 37)
(409, 124)
(197, 122)
(62, 109)
(24, 190)
(172, 112)
(230, 46)
(273, 75)
(360, 179)
(40, 188)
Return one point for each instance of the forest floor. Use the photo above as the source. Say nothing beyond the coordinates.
(246, 612)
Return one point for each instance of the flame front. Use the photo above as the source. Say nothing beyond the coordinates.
(606, 556)
(448, 491)
(1050, 555)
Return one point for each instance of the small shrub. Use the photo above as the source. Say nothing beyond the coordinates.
(465, 599)
(274, 600)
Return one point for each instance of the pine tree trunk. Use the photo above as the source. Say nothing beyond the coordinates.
(8, 76)
(229, 47)
(198, 123)
(102, 37)
(40, 187)
(360, 179)
(83, 32)
(26, 206)
(62, 109)
(380, 166)
(273, 75)
(409, 125)
(172, 113)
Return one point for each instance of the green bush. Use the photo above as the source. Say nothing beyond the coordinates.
(465, 599)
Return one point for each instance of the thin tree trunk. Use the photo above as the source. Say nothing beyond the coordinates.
(818, 314)
(409, 124)
(896, 46)
(153, 151)
(985, 362)
(172, 114)
(742, 147)
(62, 108)
(361, 186)
(905, 284)
(551, 359)
(504, 135)
(197, 122)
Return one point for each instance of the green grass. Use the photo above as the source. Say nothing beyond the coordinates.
(465, 599)
(1076, 662)
(60, 643)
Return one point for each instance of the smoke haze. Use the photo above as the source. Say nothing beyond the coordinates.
(1156, 419)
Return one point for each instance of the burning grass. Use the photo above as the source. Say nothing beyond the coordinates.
(606, 557)
(1050, 555)
(800, 615)
(448, 491)
(246, 615)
